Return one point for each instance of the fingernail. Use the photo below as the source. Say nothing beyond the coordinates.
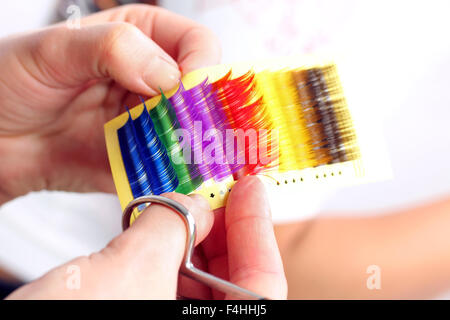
(161, 74)
(255, 184)
(201, 201)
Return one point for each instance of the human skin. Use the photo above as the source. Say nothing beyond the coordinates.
(143, 262)
(58, 86)
(328, 257)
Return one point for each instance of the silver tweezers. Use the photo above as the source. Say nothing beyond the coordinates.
(187, 267)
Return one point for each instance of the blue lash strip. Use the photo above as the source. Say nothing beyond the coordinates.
(145, 159)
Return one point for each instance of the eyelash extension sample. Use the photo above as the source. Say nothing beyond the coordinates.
(299, 116)
(221, 121)
(146, 155)
(222, 98)
(220, 94)
(346, 127)
(294, 150)
(186, 115)
(312, 117)
(328, 118)
(246, 111)
(137, 176)
(207, 113)
(161, 174)
(165, 123)
(191, 107)
(295, 122)
(321, 116)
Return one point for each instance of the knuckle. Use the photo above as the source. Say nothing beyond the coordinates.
(114, 38)
(119, 30)
(215, 43)
(181, 198)
(210, 35)
(118, 246)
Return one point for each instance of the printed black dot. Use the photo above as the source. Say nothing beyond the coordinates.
(229, 190)
(285, 181)
(324, 175)
(212, 195)
(278, 183)
(317, 176)
(340, 172)
(332, 173)
(301, 179)
(293, 180)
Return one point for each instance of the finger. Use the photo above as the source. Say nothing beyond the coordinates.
(215, 243)
(215, 250)
(153, 247)
(253, 256)
(192, 45)
(112, 50)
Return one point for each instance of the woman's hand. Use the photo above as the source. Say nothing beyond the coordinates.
(58, 86)
(241, 246)
(143, 262)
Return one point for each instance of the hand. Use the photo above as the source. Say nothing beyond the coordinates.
(241, 247)
(143, 262)
(59, 86)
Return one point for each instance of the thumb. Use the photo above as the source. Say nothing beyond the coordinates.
(114, 50)
(254, 261)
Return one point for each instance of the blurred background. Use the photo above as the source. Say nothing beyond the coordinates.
(394, 57)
